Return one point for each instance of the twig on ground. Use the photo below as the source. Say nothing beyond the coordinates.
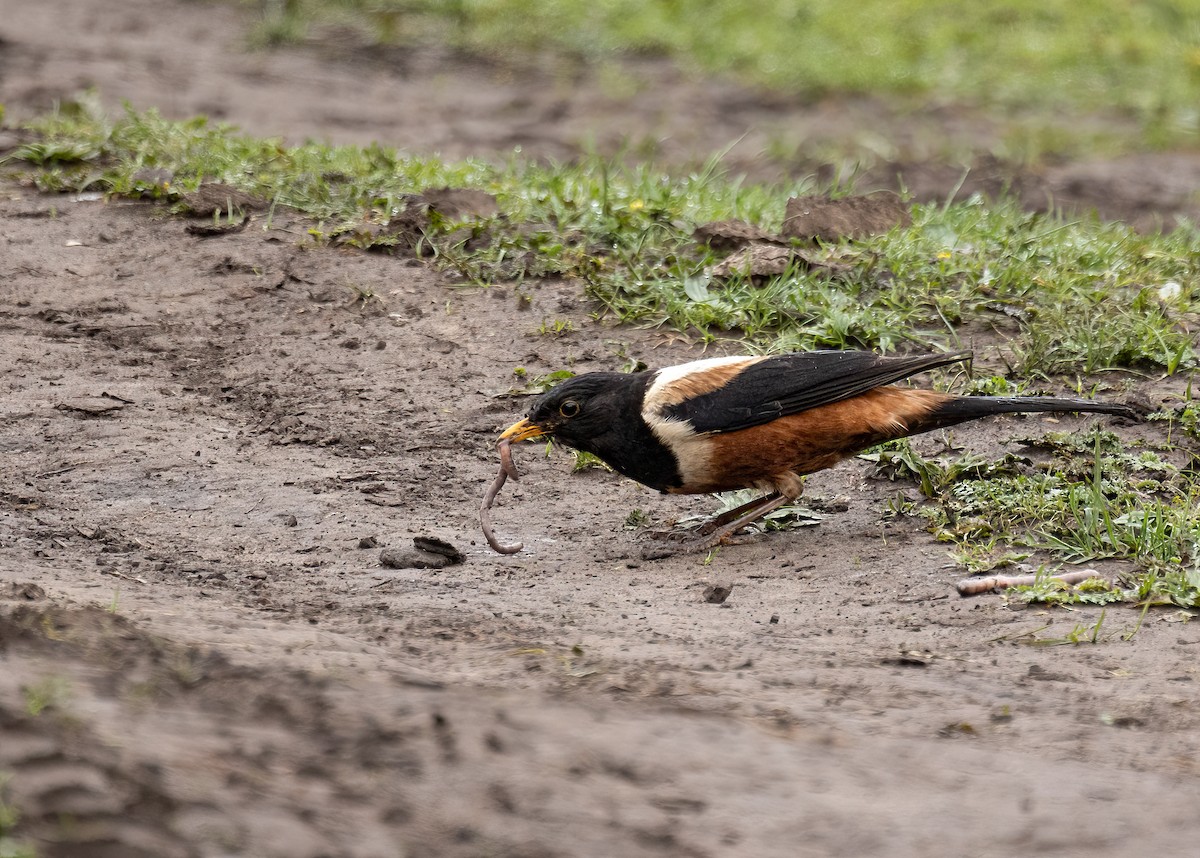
(975, 586)
(122, 575)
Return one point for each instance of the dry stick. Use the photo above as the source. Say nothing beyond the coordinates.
(116, 574)
(975, 586)
(507, 469)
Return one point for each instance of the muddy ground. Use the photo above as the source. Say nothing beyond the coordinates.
(208, 442)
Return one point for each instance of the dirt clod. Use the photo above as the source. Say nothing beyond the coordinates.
(759, 262)
(435, 545)
(413, 558)
(715, 594)
(826, 220)
(26, 592)
(730, 235)
(459, 204)
(91, 405)
(217, 198)
(216, 230)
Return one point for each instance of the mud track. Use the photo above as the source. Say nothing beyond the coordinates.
(206, 444)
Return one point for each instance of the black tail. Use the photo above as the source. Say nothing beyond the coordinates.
(963, 408)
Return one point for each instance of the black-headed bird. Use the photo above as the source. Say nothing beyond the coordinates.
(729, 423)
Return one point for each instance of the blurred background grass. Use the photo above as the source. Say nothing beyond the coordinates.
(1138, 62)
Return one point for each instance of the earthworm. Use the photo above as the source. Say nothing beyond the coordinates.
(506, 459)
(507, 469)
(975, 586)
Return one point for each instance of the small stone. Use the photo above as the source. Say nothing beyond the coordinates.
(438, 546)
(94, 405)
(412, 558)
(716, 594)
(26, 592)
(823, 219)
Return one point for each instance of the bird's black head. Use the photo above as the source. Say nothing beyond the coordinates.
(601, 413)
(582, 411)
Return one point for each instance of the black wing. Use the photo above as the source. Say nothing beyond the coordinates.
(789, 384)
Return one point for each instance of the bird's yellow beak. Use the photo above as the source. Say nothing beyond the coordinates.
(522, 431)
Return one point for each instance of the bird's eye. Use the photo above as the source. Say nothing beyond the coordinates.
(569, 408)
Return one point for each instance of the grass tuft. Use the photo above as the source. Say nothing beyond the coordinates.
(1092, 500)
(10, 845)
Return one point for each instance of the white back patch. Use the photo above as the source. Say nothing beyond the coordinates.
(691, 450)
(675, 384)
(660, 394)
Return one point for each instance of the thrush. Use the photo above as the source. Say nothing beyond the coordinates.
(729, 423)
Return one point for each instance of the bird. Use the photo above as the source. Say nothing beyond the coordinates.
(757, 422)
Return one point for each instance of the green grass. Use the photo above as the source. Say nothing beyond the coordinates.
(1093, 500)
(10, 845)
(1071, 297)
(1135, 62)
(53, 692)
(1048, 303)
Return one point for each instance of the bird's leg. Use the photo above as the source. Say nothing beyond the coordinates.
(723, 528)
(712, 524)
(729, 515)
(754, 511)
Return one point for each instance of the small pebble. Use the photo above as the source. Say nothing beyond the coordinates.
(428, 552)
(412, 558)
(716, 594)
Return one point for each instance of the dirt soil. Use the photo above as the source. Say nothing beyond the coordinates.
(207, 443)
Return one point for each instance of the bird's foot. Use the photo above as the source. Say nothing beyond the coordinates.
(672, 543)
(663, 550)
(673, 535)
(719, 530)
(669, 543)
